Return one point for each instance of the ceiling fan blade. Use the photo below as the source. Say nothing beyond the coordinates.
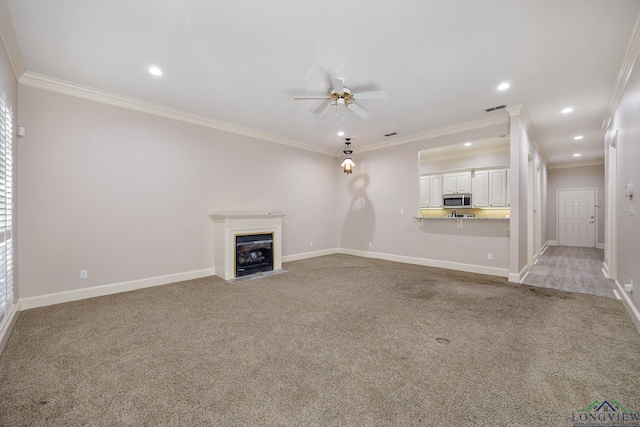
(311, 97)
(338, 85)
(369, 95)
(358, 110)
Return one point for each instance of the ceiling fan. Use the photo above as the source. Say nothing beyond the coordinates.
(340, 95)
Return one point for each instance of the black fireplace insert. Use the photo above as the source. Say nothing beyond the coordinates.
(254, 254)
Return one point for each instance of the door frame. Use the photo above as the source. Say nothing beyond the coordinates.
(595, 212)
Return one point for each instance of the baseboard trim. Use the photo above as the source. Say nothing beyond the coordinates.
(5, 332)
(113, 288)
(544, 248)
(605, 270)
(552, 243)
(600, 246)
(628, 304)
(519, 277)
(449, 265)
(305, 255)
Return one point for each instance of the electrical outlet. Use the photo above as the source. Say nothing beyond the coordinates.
(490, 256)
(370, 244)
(83, 274)
(310, 244)
(401, 211)
(629, 286)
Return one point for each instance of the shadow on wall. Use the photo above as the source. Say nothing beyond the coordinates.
(361, 218)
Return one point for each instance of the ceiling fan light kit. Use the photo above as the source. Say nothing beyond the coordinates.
(347, 165)
(341, 95)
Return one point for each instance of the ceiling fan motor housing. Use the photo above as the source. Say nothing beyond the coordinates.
(346, 97)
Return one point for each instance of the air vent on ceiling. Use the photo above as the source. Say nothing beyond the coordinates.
(499, 107)
(391, 134)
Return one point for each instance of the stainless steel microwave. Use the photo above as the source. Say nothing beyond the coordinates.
(462, 200)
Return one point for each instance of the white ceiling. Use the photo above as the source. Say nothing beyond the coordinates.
(439, 61)
(477, 147)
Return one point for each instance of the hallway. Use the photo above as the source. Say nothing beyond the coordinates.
(572, 269)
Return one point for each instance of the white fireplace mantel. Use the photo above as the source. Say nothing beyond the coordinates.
(227, 225)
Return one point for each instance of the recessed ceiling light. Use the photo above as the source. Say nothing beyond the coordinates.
(155, 71)
(340, 133)
(577, 155)
(578, 138)
(467, 144)
(504, 86)
(567, 110)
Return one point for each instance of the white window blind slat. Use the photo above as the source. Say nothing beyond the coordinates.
(6, 209)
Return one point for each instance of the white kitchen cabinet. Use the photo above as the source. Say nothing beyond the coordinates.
(424, 192)
(435, 191)
(463, 182)
(491, 189)
(498, 188)
(454, 183)
(449, 183)
(480, 189)
(431, 191)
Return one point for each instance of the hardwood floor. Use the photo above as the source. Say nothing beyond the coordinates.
(572, 269)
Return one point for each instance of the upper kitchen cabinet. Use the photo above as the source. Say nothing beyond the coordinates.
(455, 183)
(480, 189)
(490, 188)
(431, 191)
(498, 188)
(424, 192)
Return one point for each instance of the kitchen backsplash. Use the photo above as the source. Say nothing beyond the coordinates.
(480, 213)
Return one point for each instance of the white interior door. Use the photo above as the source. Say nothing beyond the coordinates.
(576, 218)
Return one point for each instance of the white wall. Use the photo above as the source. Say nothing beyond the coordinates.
(625, 123)
(127, 195)
(578, 177)
(525, 154)
(485, 160)
(384, 182)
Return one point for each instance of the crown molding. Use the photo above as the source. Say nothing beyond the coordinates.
(514, 110)
(10, 41)
(72, 89)
(575, 164)
(435, 133)
(521, 111)
(628, 64)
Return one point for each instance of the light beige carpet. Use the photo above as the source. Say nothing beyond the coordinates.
(337, 340)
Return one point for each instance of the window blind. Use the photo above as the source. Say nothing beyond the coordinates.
(6, 209)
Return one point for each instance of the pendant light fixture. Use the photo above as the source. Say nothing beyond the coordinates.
(347, 165)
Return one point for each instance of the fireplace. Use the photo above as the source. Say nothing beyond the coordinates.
(254, 254)
(246, 244)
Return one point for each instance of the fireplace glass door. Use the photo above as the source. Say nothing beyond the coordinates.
(254, 254)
